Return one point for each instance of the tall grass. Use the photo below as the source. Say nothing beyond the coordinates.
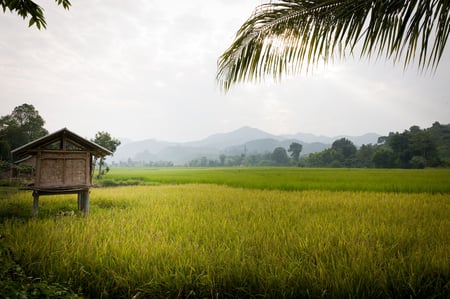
(380, 180)
(216, 241)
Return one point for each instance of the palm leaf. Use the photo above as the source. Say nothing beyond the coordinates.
(287, 36)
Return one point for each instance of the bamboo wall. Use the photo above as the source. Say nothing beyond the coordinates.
(63, 169)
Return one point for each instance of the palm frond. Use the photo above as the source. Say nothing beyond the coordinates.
(286, 36)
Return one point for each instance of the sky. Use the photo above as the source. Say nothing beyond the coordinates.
(146, 69)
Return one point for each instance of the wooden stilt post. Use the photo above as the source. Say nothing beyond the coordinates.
(80, 199)
(35, 203)
(84, 195)
(86, 202)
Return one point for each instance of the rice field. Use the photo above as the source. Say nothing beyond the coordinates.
(290, 178)
(202, 240)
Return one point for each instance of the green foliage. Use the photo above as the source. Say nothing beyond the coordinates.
(285, 36)
(25, 8)
(279, 157)
(410, 147)
(414, 148)
(295, 149)
(258, 159)
(22, 126)
(14, 283)
(104, 139)
(441, 137)
(341, 154)
(344, 148)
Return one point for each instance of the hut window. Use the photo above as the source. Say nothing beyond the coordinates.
(54, 145)
(73, 147)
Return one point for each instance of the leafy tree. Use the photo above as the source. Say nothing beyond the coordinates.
(345, 151)
(418, 162)
(25, 8)
(441, 137)
(344, 147)
(20, 127)
(422, 145)
(414, 148)
(104, 139)
(325, 158)
(364, 156)
(285, 36)
(295, 149)
(383, 157)
(398, 142)
(279, 156)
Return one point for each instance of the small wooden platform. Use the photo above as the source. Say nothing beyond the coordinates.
(81, 191)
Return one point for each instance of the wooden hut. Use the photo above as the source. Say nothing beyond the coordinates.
(63, 163)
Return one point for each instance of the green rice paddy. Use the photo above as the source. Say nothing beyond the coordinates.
(238, 232)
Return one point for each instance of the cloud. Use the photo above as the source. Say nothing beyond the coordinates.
(146, 69)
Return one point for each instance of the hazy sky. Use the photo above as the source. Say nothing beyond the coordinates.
(146, 69)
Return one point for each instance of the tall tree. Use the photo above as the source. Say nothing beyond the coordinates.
(295, 149)
(344, 148)
(286, 36)
(441, 137)
(280, 157)
(104, 139)
(23, 125)
(25, 8)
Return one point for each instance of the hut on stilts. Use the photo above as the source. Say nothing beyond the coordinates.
(63, 163)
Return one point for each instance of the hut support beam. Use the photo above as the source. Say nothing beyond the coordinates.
(35, 203)
(80, 206)
(83, 201)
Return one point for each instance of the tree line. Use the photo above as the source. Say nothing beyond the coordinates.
(25, 125)
(413, 148)
(279, 157)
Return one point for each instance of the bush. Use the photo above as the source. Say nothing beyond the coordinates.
(418, 162)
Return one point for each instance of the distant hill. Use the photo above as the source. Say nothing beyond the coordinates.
(148, 147)
(237, 137)
(244, 140)
(357, 140)
(268, 145)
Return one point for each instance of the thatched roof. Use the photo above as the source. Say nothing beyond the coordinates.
(61, 140)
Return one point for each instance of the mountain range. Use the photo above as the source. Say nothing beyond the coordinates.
(244, 140)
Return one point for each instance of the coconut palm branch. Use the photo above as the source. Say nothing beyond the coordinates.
(287, 36)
